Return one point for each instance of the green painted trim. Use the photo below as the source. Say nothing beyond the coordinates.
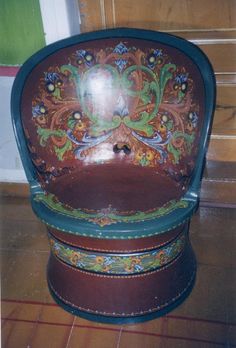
(21, 30)
(107, 216)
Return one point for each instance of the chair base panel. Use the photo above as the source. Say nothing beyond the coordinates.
(122, 299)
(121, 320)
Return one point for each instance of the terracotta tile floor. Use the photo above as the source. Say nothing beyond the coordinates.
(30, 318)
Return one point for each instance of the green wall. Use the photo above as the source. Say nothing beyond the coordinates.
(21, 30)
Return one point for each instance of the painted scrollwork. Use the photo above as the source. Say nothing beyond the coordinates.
(106, 95)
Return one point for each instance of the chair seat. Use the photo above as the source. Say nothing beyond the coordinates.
(111, 201)
(122, 189)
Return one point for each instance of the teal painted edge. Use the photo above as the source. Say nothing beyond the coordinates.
(98, 217)
(119, 230)
(206, 71)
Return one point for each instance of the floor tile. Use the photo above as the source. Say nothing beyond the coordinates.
(99, 336)
(16, 334)
(58, 337)
(24, 235)
(137, 340)
(212, 233)
(24, 275)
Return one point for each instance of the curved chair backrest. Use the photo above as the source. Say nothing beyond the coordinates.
(124, 96)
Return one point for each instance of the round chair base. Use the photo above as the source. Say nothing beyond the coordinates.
(121, 320)
(122, 299)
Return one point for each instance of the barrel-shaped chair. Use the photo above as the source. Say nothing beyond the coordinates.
(112, 128)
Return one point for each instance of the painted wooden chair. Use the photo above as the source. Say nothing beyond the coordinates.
(112, 128)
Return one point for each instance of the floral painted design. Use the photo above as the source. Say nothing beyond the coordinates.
(154, 57)
(118, 263)
(122, 92)
(109, 215)
(145, 157)
(84, 57)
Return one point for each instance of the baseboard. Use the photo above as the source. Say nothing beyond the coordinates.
(14, 189)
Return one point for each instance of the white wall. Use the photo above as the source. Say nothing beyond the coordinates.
(61, 19)
(64, 22)
(10, 163)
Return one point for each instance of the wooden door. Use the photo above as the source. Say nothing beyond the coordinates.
(211, 24)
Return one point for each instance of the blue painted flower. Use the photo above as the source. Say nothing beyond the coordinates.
(51, 77)
(80, 264)
(52, 80)
(181, 78)
(155, 57)
(192, 121)
(80, 56)
(121, 108)
(120, 49)
(108, 260)
(39, 110)
(84, 56)
(57, 247)
(168, 251)
(138, 268)
(193, 118)
(181, 82)
(121, 63)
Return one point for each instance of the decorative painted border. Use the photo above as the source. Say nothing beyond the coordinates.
(126, 264)
(107, 216)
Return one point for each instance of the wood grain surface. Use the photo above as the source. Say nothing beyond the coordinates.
(158, 14)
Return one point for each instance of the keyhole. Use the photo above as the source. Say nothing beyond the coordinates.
(122, 147)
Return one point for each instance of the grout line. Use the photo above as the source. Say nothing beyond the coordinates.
(34, 329)
(34, 303)
(119, 337)
(16, 310)
(217, 322)
(163, 330)
(70, 333)
(104, 328)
